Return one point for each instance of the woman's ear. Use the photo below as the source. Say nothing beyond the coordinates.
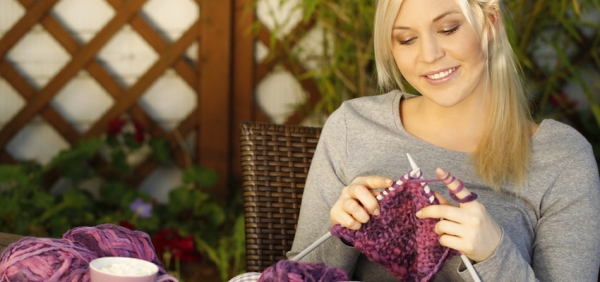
(493, 22)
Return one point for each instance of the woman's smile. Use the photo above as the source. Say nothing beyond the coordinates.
(441, 77)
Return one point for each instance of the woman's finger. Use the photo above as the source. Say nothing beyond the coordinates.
(361, 188)
(456, 187)
(450, 241)
(373, 182)
(448, 227)
(344, 219)
(443, 200)
(447, 212)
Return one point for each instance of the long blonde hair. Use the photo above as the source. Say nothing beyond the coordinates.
(504, 152)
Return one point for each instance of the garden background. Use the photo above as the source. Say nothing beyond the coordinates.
(127, 112)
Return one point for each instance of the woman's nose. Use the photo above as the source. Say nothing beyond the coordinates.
(431, 50)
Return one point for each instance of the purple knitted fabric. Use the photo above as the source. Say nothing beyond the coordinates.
(294, 271)
(405, 245)
(67, 259)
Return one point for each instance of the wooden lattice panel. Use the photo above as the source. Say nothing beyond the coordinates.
(84, 57)
(279, 54)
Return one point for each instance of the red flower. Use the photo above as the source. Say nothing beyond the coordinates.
(127, 224)
(140, 130)
(183, 248)
(115, 126)
(562, 100)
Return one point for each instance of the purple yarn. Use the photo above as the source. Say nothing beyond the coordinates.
(107, 240)
(405, 245)
(294, 271)
(45, 259)
(67, 259)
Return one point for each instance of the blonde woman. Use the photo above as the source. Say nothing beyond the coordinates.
(536, 217)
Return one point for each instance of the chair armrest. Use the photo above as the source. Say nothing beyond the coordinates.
(7, 239)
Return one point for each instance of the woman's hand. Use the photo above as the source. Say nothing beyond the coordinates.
(349, 210)
(468, 228)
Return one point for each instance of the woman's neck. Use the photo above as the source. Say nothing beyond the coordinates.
(456, 128)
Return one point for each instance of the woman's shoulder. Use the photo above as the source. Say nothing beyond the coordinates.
(366, 112)
(373, 101)
(554, 137)
(552, 131)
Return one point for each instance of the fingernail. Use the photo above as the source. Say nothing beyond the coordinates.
(388, 181)
(376, 212)
(418, 214)
(441, 171)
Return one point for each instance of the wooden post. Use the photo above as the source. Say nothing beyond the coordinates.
(214, 101)
(243, 108)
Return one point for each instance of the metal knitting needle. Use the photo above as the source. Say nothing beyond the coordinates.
(324, 238)
(464, 258)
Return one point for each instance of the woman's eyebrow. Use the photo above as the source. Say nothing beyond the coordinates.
(434, 20)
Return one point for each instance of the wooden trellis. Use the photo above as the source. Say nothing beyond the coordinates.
(83, 58)
(227, 58)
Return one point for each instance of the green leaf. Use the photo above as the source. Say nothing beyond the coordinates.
(59, 225)
(13, 174)
(9, 207)
(180, 198)
(205, 248)
(596, 112)
(118, 162)
(309, 9)
(112, 141)
(72, 163)
(127, 198)
(76, 199)
(79, 153)
(112, 192)
(42, 200)
(160, 149)
(200, 176)
(213, 211)
(130, 141)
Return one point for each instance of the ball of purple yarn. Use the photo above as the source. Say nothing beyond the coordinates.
(45, 259)
(404, 244)
(110, 240)
(294, 271)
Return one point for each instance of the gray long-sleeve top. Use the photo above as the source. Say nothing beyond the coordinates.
(551, 228)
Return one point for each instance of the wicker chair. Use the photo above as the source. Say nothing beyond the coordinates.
(275, 161)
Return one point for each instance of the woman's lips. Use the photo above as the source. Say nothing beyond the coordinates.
(440, 77)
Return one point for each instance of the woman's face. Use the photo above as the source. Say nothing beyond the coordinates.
(438, 52)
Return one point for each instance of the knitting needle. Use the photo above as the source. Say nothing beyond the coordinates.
(464, 258)
(324, 238)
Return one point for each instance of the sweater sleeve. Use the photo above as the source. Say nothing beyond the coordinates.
(325, 181)
(567, 245)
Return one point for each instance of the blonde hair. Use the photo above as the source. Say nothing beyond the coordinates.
(504, 151)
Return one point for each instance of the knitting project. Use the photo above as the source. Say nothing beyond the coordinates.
(405, 245)
(67, 259)
(294, 271)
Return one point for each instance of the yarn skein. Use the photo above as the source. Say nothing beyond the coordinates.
(107, 240)
(294, 271)
(45, 259)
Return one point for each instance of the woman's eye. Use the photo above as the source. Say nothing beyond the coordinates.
(406, 41)
(448, 31)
